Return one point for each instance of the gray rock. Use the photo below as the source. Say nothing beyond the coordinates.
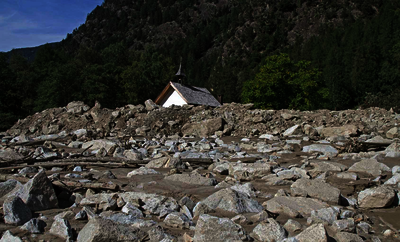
(370, 166)
(68, 215)
(203, 128)
(27, 170)
(16, 212)
(133, 155)
(292, 226)
(345, 130)
(294, 206)
(150, 105)
(249, 171)
(210, 228)
(34, 226)
(130, 209)
(9, 237)
(81, 215)
(142, 171)
(177, 220)
(165, 162)
(379, 197)
(294, 130)
(269, 231)
(344, 225)
(9, 155)
(246, 188)
(117, 217)
(98, 144)
(325, 215)
(108, 175)
(348, 237)
(316, 189)
(222, 169)
(395, 179)
(364, 227)
(347, 175)
(62, 228)
(395, 169)
(315, 233)
(77, 107)
(99, 229)
(326, 149)
(232, 201)
(394, 148)
(38, 193)
(7, 186)
(192, 178)
(156, 233)
(328, 166)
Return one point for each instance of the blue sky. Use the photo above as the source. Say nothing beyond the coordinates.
(29, 23)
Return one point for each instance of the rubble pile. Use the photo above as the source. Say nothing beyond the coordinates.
(231, 173)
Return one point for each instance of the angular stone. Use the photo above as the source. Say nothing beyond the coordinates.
(292, 226)
(370, 166)
(129, 208)
(192, 178)
(61, 228)
(16, 212)
(9, 237)
(345, 130)
(117, 217)
(378, 197)
(203, 128)
(232, 201)
(269, 230)
(294, 206)
(395, 179)
(246, 188)
(177, 220)
(344, 225)
(294, 130)
(38, 193)
(316, 189)
(348, 237)
(142, 171)
(34, 226)
(7, 186)
(98, 144)
(328, 166)
(315, 233)
(99, 229)
(249, 171)
(325, 215)
(320, 148)
(210, 228)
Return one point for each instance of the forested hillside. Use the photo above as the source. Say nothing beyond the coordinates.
(331, 54)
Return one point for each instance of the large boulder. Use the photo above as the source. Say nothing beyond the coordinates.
(345, 130)
(378, 197)
(99, 229)
(370, 166)
(203, 128)
(192, 178)
(232, 201)
(317, 188)
(38, 193)
(269, 230)
(210, 228)
(16, 212)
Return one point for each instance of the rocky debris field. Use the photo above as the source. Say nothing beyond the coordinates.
(232, 173)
